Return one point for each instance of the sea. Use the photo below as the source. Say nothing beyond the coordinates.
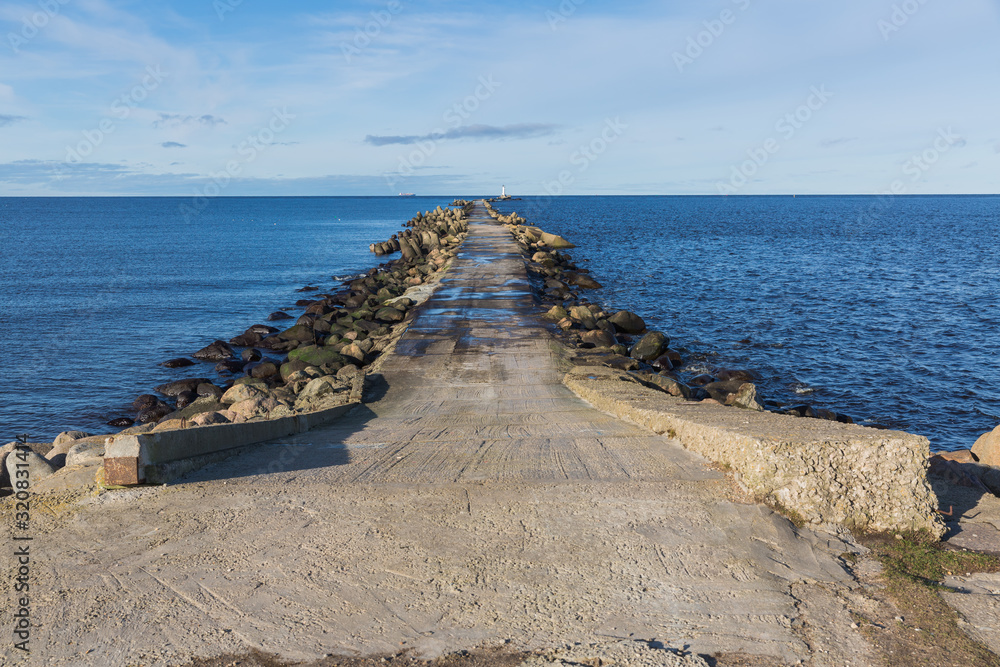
(884, 309)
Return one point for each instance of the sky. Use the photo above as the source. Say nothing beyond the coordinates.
(558, 97)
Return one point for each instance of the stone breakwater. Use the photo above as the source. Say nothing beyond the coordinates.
(825, 470)
(316, 364)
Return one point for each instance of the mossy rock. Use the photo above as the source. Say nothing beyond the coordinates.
(315, 356)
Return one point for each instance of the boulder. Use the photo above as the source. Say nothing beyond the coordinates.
(144, 401)
(701, 380)
(178, 363)
(186, 398)
(251, 354)
(322, 386)
(554, 241)
(176, 387)
(216, 351)
(987, 448)
(154, 413)
(38, 468)
(209, 418)
(556, 313)
(278, 315)
(598, 338)
(627, 322)
(229, 366)
(89, 453)
(246, 339)
(746, 398)
(203, 404)
(40, 448)
(242, 392)
(68, 436)
(302, 333)
(584, 316)
(261, 369)
(258, 406)
(650, 346)
(312, 355)
(664, 383)
(171, 425)
(958, 456)
(389, 314)
(209, 389)
(120, 422)
(727, 374)
(353, 354)
(582, 280)
(662, 363)
(289, 368)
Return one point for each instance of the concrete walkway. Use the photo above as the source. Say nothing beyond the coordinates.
(478, 502)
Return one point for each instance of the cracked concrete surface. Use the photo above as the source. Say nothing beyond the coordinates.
(477, 502)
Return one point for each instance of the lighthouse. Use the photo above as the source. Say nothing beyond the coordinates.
(503, 192)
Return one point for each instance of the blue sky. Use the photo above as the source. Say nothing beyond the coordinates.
(240, 97)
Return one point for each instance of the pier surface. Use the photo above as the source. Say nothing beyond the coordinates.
(476, 502)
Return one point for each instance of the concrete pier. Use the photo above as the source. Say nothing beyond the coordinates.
(476, 502)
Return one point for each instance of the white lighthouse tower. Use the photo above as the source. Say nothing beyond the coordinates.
(503, 191)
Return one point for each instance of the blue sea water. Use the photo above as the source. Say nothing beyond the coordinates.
(886, 310)
(96, 292)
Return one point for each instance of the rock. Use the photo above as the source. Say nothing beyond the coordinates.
(217, 351)
(554, 241)
(251, 354)
(721, 390)
(623, 363)
(627, 322)
(186, 398)
(209, 389)
(389, 314)
(726, 374)
(802, 411)
(246, 340)
(242, 392)
(259, 406)
(144, 401)
(313, 355)
(650, 346)
(138, 429)
(262, 329)
(262, 369)
(746, 398)
(584, 316)
(290, 368)
(69, 436)
(154, 413)
(555, 314)
(203, 404)
(582, 280)
(701, 380)
(120, 422)
(171, 425)
(178, 363)
(987, 448)
(231, 366)
(322, 386)
(209, 418)
(90, 453)
(38, 468)
(353, 354)
(958, 456)
(278, 315)
(178, 386)
(664, 383)
(598, 338)
(302, 333)
(663, 363)
(40, 448)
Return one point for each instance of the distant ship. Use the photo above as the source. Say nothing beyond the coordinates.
(407, 194)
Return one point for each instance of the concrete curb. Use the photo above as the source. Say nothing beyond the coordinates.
(861, 478)
(155, 458)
